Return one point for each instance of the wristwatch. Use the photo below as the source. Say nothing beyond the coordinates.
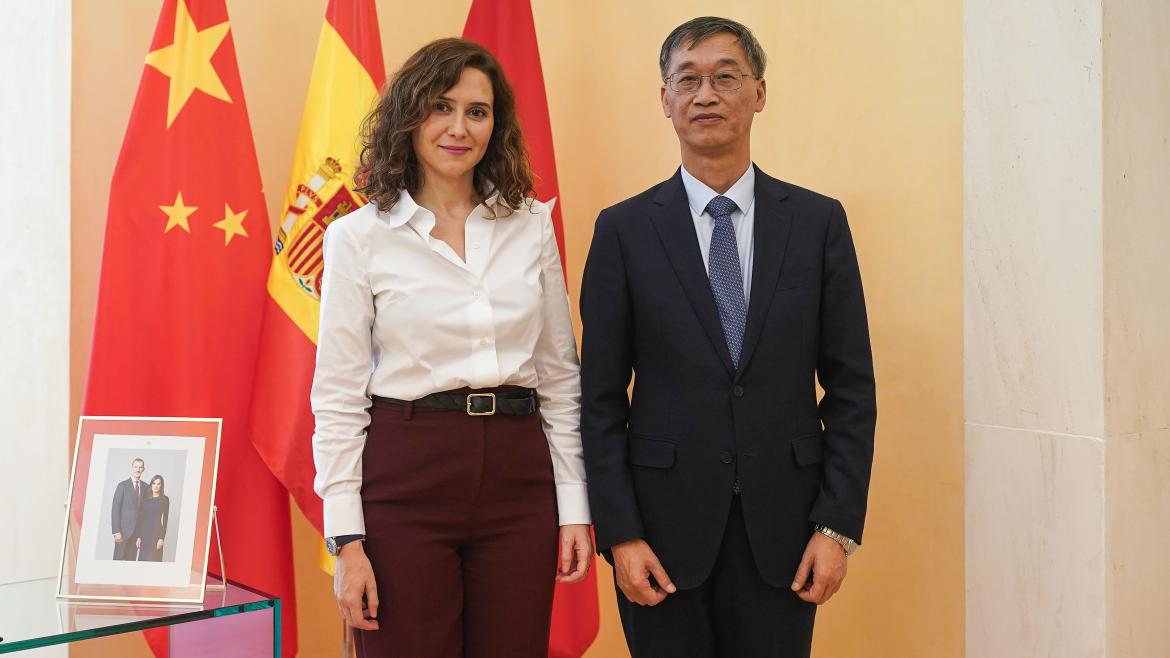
(334, 544)
(846, 543)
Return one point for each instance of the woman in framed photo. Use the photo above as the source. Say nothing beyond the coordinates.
(153, 515)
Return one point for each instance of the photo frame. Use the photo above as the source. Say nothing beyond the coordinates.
(139, 516)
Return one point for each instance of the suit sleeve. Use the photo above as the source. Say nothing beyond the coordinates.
(848, 409)
(115, 517)
(607, 359)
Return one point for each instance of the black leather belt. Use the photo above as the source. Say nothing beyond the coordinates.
(510, 400)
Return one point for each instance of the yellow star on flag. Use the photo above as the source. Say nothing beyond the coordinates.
(187, 62)
(232, 224)
(177, 214)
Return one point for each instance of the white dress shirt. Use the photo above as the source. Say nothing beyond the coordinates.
(402, 316)
(743, 193)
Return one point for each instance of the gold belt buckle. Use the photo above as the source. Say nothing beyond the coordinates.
(481, 395)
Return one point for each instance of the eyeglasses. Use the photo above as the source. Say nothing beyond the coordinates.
(689, 83)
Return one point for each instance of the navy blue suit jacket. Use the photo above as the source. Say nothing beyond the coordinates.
(124, 515)
(663, 465)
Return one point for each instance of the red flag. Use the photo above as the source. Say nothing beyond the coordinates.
(347, 74)
(506, 28)
(182, 281)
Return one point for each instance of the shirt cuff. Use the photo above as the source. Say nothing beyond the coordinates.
(343, 515)
(573, 504)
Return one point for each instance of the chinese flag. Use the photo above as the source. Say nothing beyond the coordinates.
(506, 28)
(182, 281)
(347, 75)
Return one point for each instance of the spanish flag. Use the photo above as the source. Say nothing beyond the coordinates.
(182, 281)
(347, 75)
(506, 28)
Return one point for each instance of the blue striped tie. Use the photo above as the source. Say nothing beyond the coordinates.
(726, 275)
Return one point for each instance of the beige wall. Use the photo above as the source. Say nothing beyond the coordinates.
(864, 104)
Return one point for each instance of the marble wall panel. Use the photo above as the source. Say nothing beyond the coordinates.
(1032, 215)
(1035, 545)
(34, 286)
(1137, 326)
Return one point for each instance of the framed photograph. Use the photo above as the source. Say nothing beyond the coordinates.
(141, 500)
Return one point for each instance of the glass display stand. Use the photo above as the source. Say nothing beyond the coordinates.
(232, 622)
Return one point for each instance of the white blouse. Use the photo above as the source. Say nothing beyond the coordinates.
(402, 316)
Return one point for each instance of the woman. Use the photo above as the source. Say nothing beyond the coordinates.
(152, 521)
(443, 300)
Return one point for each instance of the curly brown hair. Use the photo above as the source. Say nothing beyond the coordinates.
(388, 164)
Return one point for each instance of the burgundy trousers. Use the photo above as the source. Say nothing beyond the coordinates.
(461, 527)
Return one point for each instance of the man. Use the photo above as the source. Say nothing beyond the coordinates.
(724, 494)
(127, 498)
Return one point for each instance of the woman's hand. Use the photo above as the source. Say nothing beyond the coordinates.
(353, 578)
(138, 543)
(575, 555)
(158, 546)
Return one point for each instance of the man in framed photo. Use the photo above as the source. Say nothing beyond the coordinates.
(124, 515)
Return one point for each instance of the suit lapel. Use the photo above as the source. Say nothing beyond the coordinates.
(773, 221)
(672, 219)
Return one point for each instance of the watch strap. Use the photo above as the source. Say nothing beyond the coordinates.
(334, 544)
(846, 543)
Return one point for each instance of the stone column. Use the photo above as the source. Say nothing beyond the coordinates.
(1066, 355)
(1136, 186)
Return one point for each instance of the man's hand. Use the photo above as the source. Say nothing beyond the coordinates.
(825, 559)
(576, 552)
(138, 542)
(117, 538)
(634, 563)
(159, 545)
(353, 577)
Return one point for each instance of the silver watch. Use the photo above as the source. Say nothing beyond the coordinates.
(846, 543)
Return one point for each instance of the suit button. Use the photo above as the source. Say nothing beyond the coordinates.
(727, 458)
(737, 391)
